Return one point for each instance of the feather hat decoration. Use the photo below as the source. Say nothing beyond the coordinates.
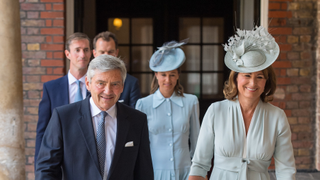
(168, 57)
(251, 50)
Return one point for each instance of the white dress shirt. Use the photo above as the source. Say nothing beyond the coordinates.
(110, 131)
(73, 87)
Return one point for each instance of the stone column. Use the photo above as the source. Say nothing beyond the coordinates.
(12, 156)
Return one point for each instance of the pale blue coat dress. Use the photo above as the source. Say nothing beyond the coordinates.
(238, 156)
(172, 122)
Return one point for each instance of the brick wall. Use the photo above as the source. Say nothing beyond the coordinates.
(293, 25)
(42, 36)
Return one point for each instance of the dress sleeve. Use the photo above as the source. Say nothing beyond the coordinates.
(283, 154)
(194, 126)
(139, 105)
(201, 162)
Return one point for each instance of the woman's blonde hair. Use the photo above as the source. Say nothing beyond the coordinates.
(230, 89)
(178, 88)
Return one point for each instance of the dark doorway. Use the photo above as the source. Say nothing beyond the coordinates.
(147, 24)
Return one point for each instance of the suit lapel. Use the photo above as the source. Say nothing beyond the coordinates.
(123, 125)
(64, 89)
(86, 126)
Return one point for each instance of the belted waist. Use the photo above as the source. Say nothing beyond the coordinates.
(240, 165)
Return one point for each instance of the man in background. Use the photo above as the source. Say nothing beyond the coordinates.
(107, 43)
(67, 89)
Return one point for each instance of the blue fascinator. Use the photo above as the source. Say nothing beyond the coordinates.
(168, 57)
(251, 50)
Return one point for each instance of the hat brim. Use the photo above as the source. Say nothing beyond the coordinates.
(270, 58)
(171, 61)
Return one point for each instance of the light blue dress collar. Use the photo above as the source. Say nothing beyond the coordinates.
(158, 99)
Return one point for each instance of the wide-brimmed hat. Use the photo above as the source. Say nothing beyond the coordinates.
(169, 57)
(251, 50)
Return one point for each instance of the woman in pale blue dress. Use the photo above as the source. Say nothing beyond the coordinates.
(244, 131)
(173, 116)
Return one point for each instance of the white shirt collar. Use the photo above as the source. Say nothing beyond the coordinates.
(159, 99)
(72, 79)
(95, 110)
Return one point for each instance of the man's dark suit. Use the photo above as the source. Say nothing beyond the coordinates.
(131, 91)
(69, 142)
(56, 93)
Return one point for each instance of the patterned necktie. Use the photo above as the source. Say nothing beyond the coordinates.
(78, 96)
(101, 142)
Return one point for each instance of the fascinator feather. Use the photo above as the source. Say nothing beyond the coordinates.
(251, 50)
(168, 57)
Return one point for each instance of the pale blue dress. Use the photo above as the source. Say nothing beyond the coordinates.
(173, 123)
(238, 156)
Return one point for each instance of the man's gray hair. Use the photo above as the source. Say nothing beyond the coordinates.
(104, 63)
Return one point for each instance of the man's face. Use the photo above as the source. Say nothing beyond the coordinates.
(105, 47)
(79, 54)
(105, 88)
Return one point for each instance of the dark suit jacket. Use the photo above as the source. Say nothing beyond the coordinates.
(131, 91)
(69, 142)
(55, 94)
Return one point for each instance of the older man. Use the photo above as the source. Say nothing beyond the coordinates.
(97, 138)
(107, 43)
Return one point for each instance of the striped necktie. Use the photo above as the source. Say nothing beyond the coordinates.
(101, 141)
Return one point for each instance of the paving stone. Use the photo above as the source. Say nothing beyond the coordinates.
(304, 176)
(300, 175)
(315, 175)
